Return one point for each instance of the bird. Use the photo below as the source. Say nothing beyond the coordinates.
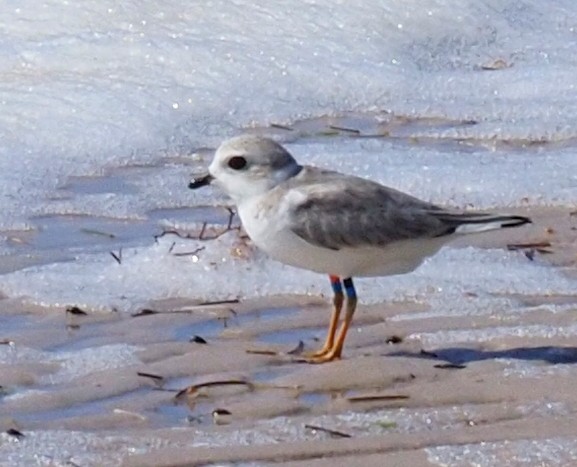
(333, 223)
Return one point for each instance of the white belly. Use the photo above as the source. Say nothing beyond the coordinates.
(269, 232)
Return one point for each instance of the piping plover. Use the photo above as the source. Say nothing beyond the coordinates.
(332, 223)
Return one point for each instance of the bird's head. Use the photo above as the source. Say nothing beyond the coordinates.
(248, 166)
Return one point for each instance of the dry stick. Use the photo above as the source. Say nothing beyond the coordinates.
(231, 216)
(450, 366)
(221, 302)
(345, 129)
(522, 246)
(202, 229)
(150, 375)
(190, 253)
(376, 397)
(338, 434)
(118, 257)
(192, 389)
(145, 312)
(148, 311)
(529, 249)
(201, 235)
(278, 126)
(261, 352)
(97, 232)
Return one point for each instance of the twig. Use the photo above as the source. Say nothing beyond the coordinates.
(534, 245)
(347, 130)
(193, 389)
(221, 302)
(230, 217)
(201, 235)
(278, 126)
(144, 312)
(450, 366)
(148, 311)
(378, 397)
(338, 434)
(118, 257)
(261, 352)
(157, 378)
(97, 232)
(202, 229)
(190, 253)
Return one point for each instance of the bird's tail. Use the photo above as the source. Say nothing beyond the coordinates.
(464, 223)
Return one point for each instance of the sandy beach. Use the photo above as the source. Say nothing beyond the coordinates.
(139, 326)
(222, 383)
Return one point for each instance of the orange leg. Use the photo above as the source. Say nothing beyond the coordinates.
(338, 300)
(332, 350)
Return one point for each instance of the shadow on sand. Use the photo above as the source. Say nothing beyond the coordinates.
(463, 355)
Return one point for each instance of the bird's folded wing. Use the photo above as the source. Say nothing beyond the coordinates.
(362, 214)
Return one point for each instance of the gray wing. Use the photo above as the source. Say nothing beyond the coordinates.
(342, 211)
(337, 211)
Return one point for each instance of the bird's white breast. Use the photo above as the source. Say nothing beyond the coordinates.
(268, 225)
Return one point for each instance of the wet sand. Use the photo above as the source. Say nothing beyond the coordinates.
(400, 395)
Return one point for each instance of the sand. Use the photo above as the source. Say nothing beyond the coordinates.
(394, 399)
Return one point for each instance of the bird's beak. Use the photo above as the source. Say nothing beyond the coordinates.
(200, 180)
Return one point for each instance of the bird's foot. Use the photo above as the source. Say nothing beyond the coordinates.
(317, 353)
(323, 355)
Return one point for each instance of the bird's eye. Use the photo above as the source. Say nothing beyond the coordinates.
(237, 163)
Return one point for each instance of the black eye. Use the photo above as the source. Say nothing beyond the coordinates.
(237, 162)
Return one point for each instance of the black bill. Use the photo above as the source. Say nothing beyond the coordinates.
(200, 181)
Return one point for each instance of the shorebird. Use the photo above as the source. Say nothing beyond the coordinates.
(332, 223)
